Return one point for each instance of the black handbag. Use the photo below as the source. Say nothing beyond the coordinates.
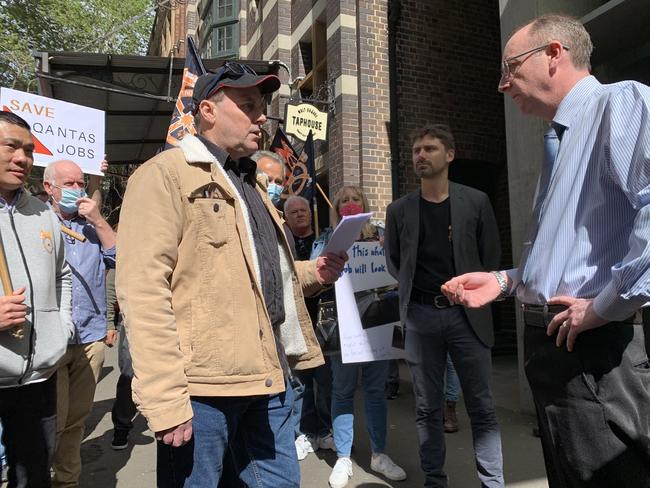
(383, 310)
(327, 326)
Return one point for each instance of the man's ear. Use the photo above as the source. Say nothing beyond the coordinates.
(555, 52)
(451, 154)
(47, 186)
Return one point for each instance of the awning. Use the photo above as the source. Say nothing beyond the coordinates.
(136, 92)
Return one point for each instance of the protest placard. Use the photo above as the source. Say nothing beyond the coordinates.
(360, 289)
(61, 130)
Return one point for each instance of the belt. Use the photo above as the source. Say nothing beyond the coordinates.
(541, 315)
(438, 301)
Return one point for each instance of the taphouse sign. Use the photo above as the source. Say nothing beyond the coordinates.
(301, 118)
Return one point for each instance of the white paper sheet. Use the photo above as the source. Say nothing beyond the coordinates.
(346, 233)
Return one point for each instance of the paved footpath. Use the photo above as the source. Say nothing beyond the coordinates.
(524, 468)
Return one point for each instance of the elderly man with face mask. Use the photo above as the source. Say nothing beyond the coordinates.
(89, 253)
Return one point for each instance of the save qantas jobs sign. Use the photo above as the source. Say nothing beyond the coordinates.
(61, 130)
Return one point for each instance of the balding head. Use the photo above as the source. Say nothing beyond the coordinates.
(60, 167)
(59, 176)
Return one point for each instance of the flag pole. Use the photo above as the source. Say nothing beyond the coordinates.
(7, 287)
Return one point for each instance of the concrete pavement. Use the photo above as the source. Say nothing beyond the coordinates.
(524, 467)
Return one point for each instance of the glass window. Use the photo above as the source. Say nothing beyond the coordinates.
(225, 9)
(224, 38)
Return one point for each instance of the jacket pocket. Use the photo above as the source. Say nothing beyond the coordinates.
(211, 338)
(209, 214)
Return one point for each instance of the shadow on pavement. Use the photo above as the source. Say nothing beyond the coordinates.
(100, 462)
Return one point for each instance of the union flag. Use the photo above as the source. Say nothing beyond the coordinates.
(182, 119)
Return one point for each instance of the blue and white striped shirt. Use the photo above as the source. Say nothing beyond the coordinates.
(593, 239)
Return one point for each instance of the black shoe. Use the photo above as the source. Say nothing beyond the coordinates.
(120, 440)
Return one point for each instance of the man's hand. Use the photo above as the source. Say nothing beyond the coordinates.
(329, 267)
(12, 310)
(89, 210)
(472, 290)
(580, 316)
(111, 337)
(176, 436)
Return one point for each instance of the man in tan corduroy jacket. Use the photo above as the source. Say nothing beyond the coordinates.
(212, 299)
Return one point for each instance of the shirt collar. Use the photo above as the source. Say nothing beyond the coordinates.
(14, 200)
(242, 165)
(573, 103)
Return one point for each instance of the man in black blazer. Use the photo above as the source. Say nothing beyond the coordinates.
(432, 234)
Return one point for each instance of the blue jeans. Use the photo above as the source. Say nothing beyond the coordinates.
(258, 433)
(312, 406)
(452, 390)
(344, 384)
(431, 333)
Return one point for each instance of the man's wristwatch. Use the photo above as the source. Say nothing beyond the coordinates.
(503, 284)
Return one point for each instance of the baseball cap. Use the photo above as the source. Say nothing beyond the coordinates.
(233, 75)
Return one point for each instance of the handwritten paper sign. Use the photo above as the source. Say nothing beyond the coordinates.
(61, 130)
(360, 345)
(367, 266)
(365, 270)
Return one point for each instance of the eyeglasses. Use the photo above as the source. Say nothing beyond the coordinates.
(509, 66)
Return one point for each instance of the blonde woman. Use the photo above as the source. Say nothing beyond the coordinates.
(350, 200)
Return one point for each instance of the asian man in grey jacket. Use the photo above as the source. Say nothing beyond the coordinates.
(35, 317)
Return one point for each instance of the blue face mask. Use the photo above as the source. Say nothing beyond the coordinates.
(274, 190)
(69, 197)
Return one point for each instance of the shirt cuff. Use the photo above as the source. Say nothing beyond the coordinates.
(611, 306)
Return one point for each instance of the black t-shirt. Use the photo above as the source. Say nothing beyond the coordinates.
(435, 264)
(303, 246)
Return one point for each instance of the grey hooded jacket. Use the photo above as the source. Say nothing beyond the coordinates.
(34, 248)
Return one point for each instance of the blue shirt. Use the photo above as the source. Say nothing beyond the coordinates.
(593, 239)
(88, 262)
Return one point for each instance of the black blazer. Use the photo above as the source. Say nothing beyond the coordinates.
(475, 239)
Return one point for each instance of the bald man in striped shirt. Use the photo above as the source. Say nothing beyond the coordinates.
(585, 269)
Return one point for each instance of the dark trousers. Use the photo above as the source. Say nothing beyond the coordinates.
(28, 416)
(123, 408)
(430, 334)
(593, 406)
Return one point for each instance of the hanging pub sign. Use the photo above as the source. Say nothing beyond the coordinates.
(300, 118)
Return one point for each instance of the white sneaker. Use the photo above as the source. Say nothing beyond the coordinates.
(303, 447)
(327, 442)
(341, 473)
(382, 464)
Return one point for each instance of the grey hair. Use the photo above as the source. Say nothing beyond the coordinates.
(50, 172)
(295, 198)
(257, 155)
(569, 31)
